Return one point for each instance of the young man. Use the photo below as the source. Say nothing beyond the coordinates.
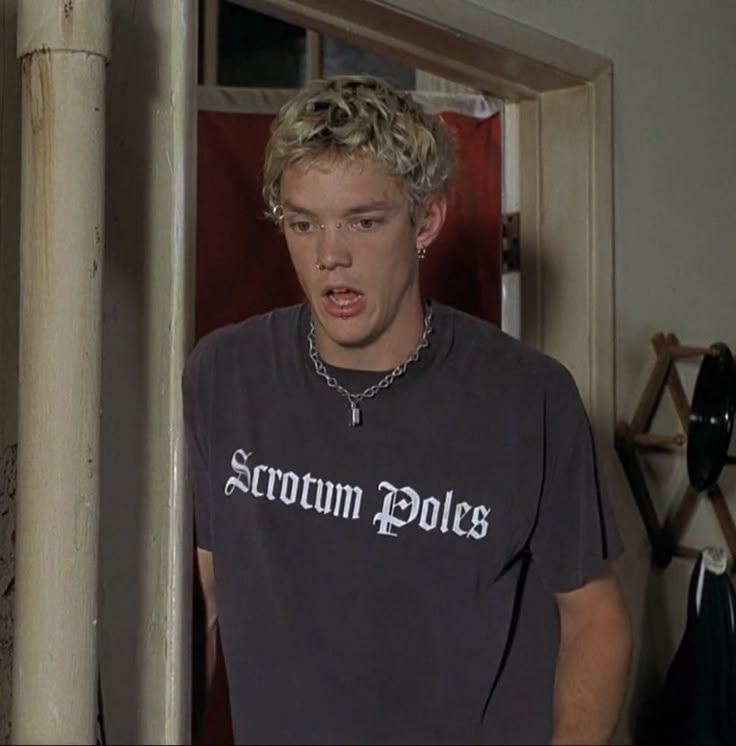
(401, 532)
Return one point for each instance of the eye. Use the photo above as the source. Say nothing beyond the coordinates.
(300, 226)
(365, 224)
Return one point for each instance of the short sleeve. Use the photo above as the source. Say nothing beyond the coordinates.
(195, 399)
(575, 533)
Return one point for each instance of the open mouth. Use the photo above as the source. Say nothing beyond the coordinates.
(343, 301)
(343, 296)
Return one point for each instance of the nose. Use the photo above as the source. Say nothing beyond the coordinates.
(333, 248)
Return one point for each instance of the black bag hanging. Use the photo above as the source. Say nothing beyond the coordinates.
(697, 704)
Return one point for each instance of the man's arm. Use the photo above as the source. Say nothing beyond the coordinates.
(207, 582)
(593, 661)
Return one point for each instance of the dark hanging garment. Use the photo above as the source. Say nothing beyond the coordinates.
(697, 704)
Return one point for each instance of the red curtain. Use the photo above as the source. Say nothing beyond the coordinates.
(463, 266)
(243, 266)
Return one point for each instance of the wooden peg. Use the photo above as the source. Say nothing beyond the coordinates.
(682, 351)
(654, 439)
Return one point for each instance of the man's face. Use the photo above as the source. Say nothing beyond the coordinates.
(365, 297)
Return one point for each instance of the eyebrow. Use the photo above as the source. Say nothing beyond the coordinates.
(379, 204)
(357, 209)
(297, 209)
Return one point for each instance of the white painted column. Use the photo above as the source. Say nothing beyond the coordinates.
(64, 48)
(145, 520)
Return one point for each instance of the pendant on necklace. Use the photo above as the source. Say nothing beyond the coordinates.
(355, 414)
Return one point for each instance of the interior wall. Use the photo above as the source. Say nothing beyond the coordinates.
(674, 65)
(143, 622)
(9, 288)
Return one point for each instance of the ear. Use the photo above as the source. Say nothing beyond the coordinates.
(430, 224)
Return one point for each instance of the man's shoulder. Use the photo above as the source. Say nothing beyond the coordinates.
(251, 337)
(483, 348)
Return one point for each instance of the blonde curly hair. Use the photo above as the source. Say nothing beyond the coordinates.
(360, 117)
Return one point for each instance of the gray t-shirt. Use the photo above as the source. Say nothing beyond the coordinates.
(392, 582)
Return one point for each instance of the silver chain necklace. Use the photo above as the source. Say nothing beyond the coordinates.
(384, 383)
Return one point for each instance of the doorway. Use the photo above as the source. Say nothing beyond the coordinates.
(562, 94)
(242, 266)
(550, 111)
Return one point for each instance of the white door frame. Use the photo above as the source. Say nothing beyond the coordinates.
(566, 206)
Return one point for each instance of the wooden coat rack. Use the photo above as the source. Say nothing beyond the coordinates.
(665, 536)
